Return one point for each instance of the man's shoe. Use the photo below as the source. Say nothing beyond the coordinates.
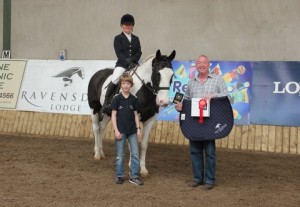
(119, 180)
(136, 181)
(194, 184)
(208, 187)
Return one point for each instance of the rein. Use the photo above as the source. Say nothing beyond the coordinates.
(133, 71)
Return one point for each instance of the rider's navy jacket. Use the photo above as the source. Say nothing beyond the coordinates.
(127, 52)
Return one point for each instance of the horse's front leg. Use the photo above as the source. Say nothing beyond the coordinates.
(98, 130)
(147, 126)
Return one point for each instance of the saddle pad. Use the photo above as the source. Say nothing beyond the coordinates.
(217, 125)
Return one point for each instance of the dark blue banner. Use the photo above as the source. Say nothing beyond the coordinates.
(276, 93)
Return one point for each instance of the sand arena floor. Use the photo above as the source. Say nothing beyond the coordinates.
(58, 172)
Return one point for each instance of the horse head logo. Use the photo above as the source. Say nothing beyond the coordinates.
(67, 75)
(218, 126)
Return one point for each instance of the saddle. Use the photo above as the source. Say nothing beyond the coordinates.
(107, 109)
(218, 125)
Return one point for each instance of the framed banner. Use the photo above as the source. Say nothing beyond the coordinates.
(11, 75)
(56, 86)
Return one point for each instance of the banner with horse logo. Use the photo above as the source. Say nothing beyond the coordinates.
(58, 86)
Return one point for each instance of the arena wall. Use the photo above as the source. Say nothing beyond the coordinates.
(276, 139)
(253, 30)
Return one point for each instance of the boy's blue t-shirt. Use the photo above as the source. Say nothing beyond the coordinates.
(125, 108)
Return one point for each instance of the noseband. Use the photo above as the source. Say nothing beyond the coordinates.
(152, 89)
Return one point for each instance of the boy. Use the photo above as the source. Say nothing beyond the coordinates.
(125, 122)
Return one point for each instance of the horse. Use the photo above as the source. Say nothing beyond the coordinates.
(152, 80)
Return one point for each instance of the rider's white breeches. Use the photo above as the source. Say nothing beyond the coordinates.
(118, 71)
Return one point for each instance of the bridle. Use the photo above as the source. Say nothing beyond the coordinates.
(133, 72)
(152, 89)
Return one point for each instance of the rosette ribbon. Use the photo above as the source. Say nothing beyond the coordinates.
(202, 104)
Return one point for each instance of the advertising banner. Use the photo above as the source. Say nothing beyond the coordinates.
(237, 76)
(58, 86)
(276, 93)
(272, 88)
(11, 74)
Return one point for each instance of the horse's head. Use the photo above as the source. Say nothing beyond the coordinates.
(162, 73)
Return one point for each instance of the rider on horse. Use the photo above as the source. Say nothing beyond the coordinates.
(128, 50)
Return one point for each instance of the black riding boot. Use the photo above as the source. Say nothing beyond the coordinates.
(108, 96)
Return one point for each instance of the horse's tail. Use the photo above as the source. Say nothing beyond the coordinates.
(93, 99)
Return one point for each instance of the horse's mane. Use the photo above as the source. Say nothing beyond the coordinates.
(149, 57)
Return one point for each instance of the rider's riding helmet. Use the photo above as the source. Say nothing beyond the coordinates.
(127, 18)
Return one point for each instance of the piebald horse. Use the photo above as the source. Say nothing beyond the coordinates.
(152, 81)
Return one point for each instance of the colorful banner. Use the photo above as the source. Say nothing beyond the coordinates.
(237, 76)
(11, 74)
(276, 93)
(58, 86)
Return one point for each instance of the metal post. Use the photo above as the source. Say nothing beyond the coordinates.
(6, 24)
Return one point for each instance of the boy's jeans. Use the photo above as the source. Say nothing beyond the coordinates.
(134, 155)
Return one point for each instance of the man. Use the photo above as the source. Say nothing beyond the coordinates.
(206, 86)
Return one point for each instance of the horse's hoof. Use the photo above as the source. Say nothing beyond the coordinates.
(97, 157)
(144, 174)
